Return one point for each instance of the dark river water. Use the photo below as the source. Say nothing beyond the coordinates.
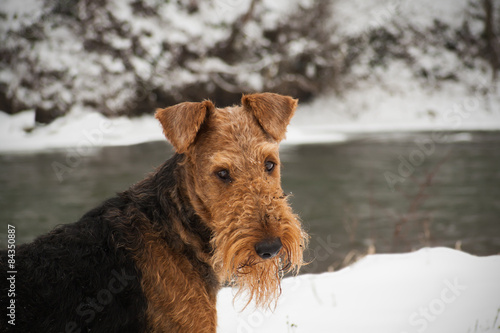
(380, 193)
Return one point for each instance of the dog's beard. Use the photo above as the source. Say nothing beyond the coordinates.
(257, 279)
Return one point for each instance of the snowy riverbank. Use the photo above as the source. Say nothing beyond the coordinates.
(386, 66)
(432, 290)
(326, 119)
(370, 65)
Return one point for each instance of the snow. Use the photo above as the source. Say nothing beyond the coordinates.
(396, 104)
(388, 100)
(432, 290)
(358, 16)
(380, 99)
(20, 13)
(392, 100)
(77, 129)
(385, 98)
(19, 133)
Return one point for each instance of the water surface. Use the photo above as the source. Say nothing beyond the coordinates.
(451, 197)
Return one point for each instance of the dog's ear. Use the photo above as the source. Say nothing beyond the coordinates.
(273, 112)
(182, 122)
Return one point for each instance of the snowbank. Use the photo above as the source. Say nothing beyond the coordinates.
(432, 290)
(81, 130)
(390, 78)
(86, 130)
(398, 106)
(392, 100)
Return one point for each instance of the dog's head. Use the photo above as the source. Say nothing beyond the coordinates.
(232, 178)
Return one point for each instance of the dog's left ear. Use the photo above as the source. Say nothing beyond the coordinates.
(182, 122)
(273, 112)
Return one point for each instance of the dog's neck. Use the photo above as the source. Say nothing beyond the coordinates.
(166, 202)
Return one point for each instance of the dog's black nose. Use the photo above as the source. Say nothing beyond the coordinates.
(268, 248)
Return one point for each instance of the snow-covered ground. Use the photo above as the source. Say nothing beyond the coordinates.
(432, 290)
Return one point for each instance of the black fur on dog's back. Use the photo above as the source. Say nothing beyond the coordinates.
(77, 278)
(64, 277)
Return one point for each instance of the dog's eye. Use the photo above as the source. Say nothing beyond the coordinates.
(270, 166)
(224, 175)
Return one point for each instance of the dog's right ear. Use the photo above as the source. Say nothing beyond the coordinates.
(273, 112)
(182, 122)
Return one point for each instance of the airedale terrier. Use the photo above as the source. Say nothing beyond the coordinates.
(153, 258)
